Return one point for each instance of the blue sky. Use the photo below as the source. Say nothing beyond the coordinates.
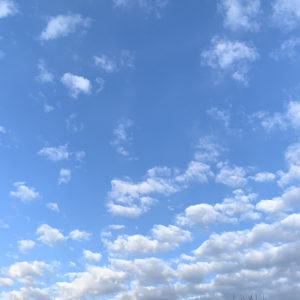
(149, 149)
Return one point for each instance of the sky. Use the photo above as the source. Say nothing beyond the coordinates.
(149, 149)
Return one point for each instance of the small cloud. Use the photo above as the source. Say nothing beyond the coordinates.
(23, 192)
(121, 137)
(25, 245)
(63, 25)
(92, 256)
(105, 63)
(7, 8)
(55, 153)
(79, 236)
(49, 235)
(44, 75)
(76, 84)
(64, 176)
(53, 206)
(230, 57)
(241, 14)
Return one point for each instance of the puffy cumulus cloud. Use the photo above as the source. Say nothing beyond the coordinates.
(149, 6)
(7, 8)
(26, 293)
(290, 117)
(44, 75)
(292, 157)
(94, 282)
(27, 272)
(53, 206)
(230, 210)
(64, 176)
(286, 14)
(23, 192)
(122, 137)
(146, 271)
(78, 235)
(289, 201)
(55, 153)
(92, 256)
(230, 57)
(231, 176)
(159, 292)
(63, 25)
(263, 177)
(76, 84)
(105, 63)
(163, 238)
(6, 282)
(234, 244)
(49, 235)
(25, 245)
(131, 199)
(241, 14)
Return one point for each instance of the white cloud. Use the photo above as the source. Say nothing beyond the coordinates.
(63, 25)
(92, 256)
(231, 176)
(76, 84)
(27, 272)
(53, 206)
(49, 236)
(25, 245)
(77, 235)
(23, 192)
(131, 199)
(232, 57)
(196, 171)
(241, 14)
(44, 74)
(80, 155)
(122, 138)
(263, 177)
(6, 282)
(105, 63)
(163, 238)
(100, 82)
(94, 282)
(55, 153)
(147, 271)
(230, 210)
(116, 227)
(26, 293)
(286, 14)
(64, 176)
(289, 201)
(7, 8)
(289, 118)
(292, 157)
